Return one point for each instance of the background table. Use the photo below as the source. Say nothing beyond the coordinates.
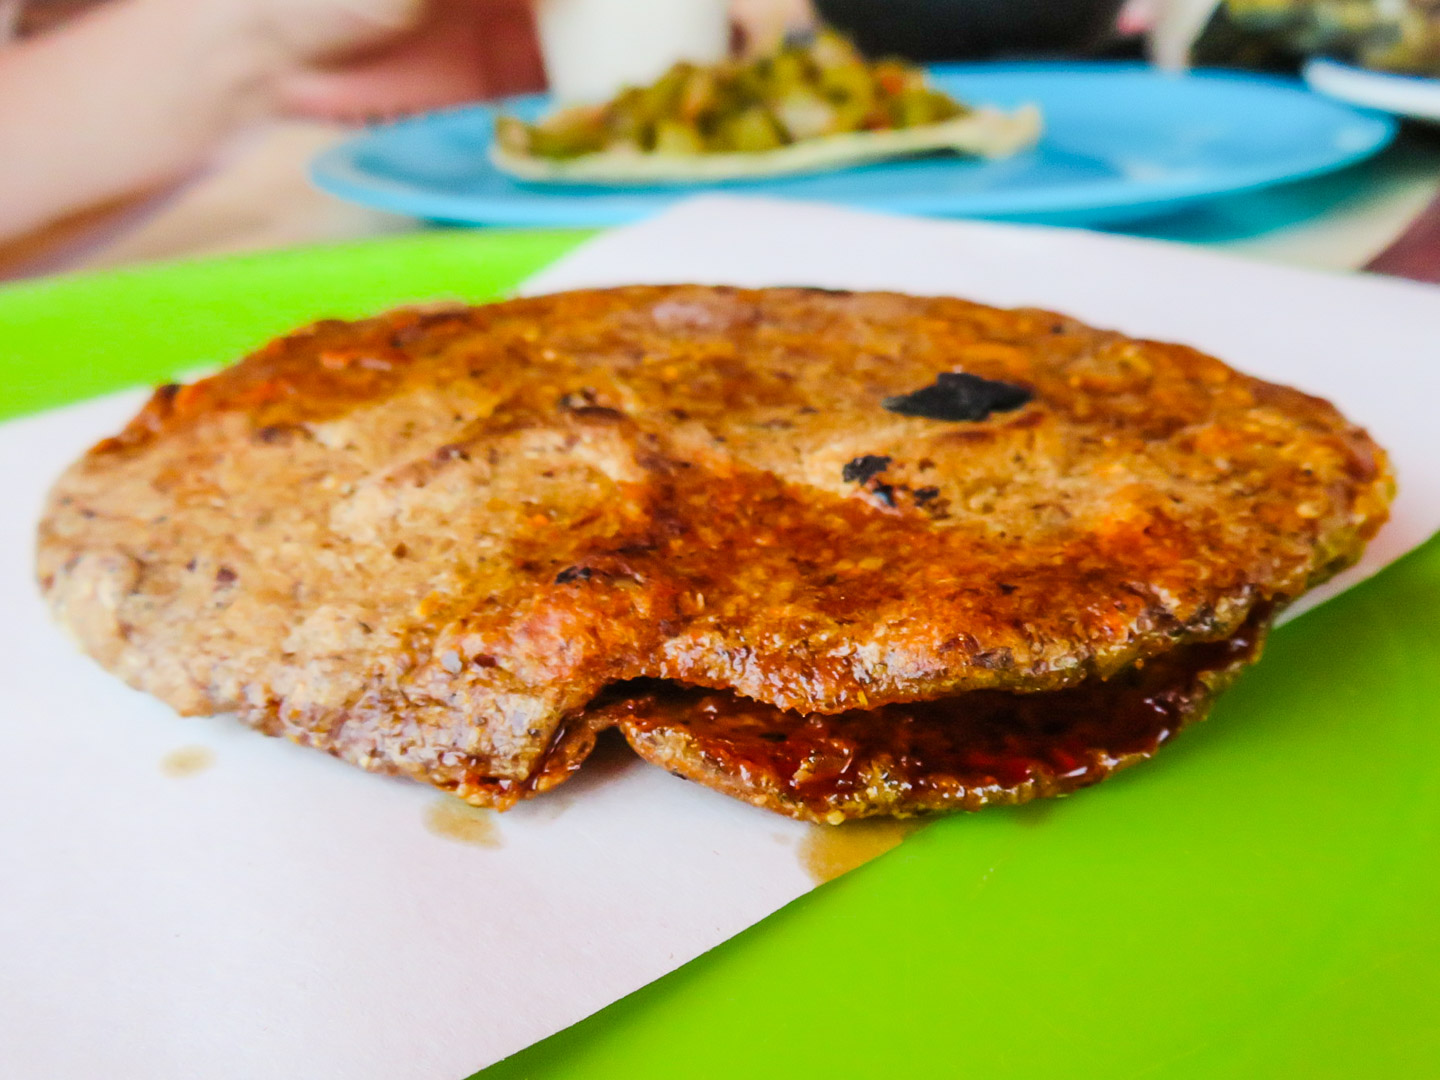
(255, 196)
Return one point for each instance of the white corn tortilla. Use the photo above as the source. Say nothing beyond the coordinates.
(985, 132)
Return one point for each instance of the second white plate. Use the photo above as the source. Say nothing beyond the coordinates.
(1405, 95)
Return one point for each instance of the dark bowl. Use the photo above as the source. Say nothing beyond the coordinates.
(933, 30)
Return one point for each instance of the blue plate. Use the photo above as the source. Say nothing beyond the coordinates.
(1122, 142)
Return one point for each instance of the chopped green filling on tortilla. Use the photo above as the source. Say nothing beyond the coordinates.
(805, 90)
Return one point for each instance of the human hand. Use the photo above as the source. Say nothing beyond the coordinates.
(362, 59)
(134, 94)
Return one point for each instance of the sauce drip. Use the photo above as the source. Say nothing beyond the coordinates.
(829, 851)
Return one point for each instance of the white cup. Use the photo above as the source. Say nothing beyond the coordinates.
(592, 48)
(1174, 26)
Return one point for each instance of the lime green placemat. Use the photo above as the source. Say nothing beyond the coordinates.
(67, 338)
(1259, 902)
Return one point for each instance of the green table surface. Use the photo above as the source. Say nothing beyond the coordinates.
(1261, 901)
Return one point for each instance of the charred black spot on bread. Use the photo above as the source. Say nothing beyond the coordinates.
(925, 495)
(599, 412)
(995, 659)
(574, 573)
(271, 434)
(864, 468)
(577, 399)
(820, 290)
(885, 493)
(958, 395)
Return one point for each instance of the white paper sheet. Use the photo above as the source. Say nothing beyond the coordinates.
(282, 914)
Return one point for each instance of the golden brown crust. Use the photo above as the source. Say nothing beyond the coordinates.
(423, 541)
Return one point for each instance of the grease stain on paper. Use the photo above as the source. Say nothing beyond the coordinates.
(450, 819)
(187, 761)
(829, 851)
(1035, 812)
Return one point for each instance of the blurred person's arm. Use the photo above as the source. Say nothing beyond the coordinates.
(462, 50)
(137, 93)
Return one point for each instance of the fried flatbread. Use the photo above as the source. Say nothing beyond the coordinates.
(426, 542)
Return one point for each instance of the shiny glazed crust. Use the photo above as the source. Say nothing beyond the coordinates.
(973, 750)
